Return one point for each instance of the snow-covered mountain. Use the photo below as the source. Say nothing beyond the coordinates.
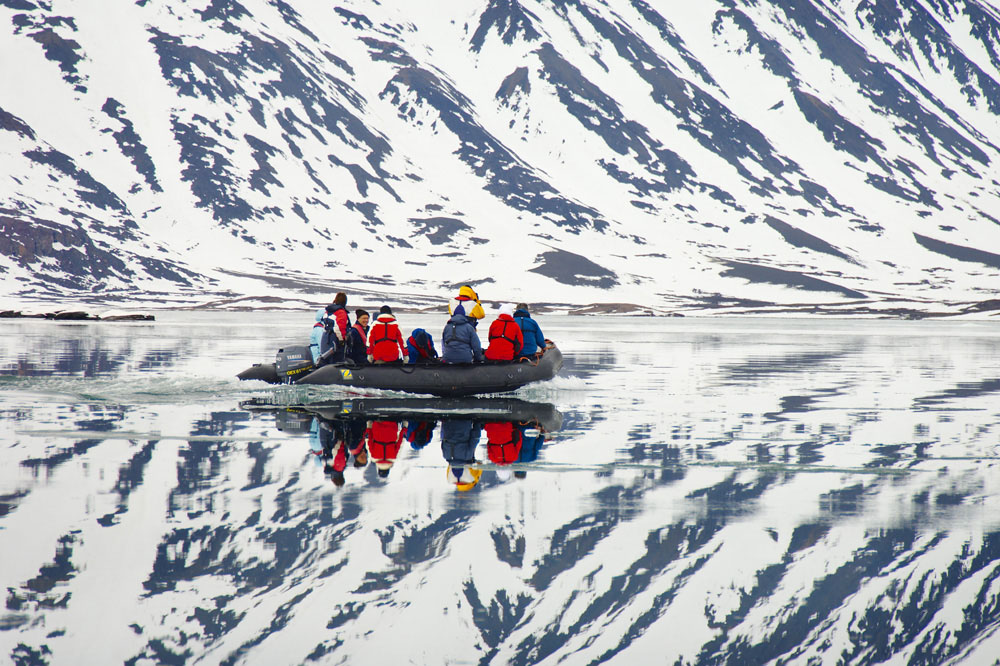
(673, 155)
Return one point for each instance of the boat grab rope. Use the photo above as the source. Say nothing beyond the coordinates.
(534, 360)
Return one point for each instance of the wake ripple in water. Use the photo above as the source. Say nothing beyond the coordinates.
(133, 390)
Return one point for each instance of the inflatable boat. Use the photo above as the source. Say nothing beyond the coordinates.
(293, 366)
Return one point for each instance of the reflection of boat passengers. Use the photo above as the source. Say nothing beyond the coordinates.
(355, 432)
(385, 342)
(384, 439)
(531, 445)
(534, 341)
(459, 341)
(419, 433)
(334, 442)
(505, 337)
(459, 439)
(331, 438)
(503, 442)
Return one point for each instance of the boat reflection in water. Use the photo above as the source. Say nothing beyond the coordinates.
(501, 435)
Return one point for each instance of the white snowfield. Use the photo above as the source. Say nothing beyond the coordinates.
(676, 156)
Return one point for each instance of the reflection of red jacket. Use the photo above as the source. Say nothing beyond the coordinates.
(339, 457)
(503, 444)
(505, 339)
(384, 439)
(385, 342)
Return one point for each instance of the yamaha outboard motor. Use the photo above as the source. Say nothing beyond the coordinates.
(292, 363)
(293, 422)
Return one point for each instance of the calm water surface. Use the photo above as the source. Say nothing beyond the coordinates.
(686, 491)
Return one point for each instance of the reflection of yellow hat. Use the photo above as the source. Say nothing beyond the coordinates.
(468, 478)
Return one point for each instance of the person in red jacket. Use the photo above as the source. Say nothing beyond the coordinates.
(385, 343)
(384, 439)
(337, 323)
(506, 340)
(503, 442)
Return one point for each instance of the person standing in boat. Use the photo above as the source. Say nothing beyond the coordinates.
(420, 347)
(469, 300)
(385, 342)
(459, 340)
(357, 338)
(316, 338)
(505, 338)
(533, 339)
(337, 322)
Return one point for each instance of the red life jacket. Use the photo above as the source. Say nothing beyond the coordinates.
(384, 341)
(503, 345)
(337, 323)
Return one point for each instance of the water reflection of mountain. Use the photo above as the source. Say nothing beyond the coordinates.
(234, 547)
(86, 358)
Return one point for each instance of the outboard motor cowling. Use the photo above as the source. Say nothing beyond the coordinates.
(293, 422)
(292, 362)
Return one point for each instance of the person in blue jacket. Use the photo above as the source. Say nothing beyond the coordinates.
(316, 339)
(534, 341)
(459, 340)
(420, 347)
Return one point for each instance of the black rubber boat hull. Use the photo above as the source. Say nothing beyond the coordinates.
(262, 371)
(438, 379)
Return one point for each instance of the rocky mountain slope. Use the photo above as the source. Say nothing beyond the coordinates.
(680, 156)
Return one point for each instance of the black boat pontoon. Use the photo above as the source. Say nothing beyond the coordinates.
(440, 379)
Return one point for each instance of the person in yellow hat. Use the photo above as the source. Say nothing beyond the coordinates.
(469, 300)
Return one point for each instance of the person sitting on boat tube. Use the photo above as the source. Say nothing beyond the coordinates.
(506, 340)
(534, 341)
(459, 340)
(469, 300)
(385, 342)
(420, 347)
(357, 338)
(337, 322)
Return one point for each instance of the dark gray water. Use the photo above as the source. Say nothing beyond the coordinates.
(692, 491)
